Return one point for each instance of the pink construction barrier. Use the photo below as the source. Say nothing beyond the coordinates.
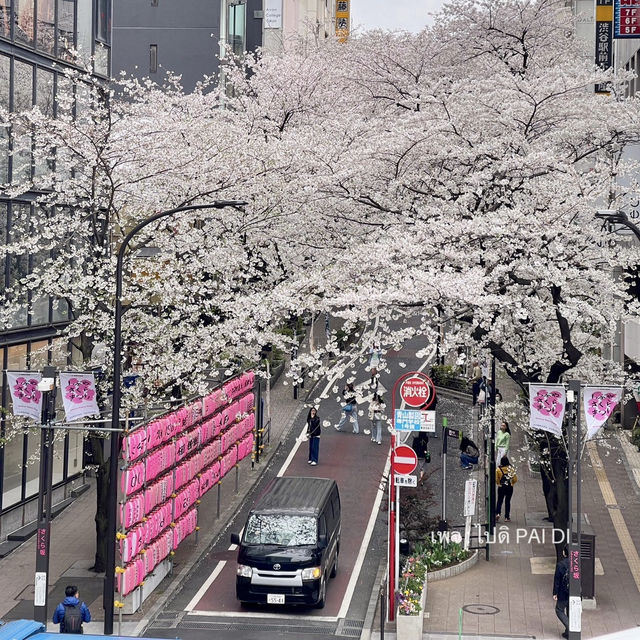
(157, 521)
(185, 498)
(229, 437)
(211, 452)
(187, 444)
(160, 460)
(207, 431)
(132, 511)
(215, 401)
(158, 492)
(209, 478)
(228, 461)
(133, 575)
(245, 446)
(134, 445)
(184, 527)
(157, 551)
(132, 478)
(132, 544)
(188, 470)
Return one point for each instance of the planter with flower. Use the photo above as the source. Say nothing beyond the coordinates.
(411, 598)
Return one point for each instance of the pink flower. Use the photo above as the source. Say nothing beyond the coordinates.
(547, 403)
(79, 391)
(27, 390)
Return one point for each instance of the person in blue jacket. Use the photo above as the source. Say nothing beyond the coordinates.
(71, 613)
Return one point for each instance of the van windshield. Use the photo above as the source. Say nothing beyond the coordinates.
(281, 530)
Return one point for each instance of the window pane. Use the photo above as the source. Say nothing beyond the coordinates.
(5, 18)
(33, 463)
(235, 28)
(44, 100)
(22, 101)
(58, 458)
(12, 487)
(23, 29)
(39, 303)
(85, 30)
(66, 11)
(4, 102)
(18, 264)
(60, 311)
(75, 452)
(46, 25)
(101, 63)
(103, 24)
(39, 355)
(23, 86)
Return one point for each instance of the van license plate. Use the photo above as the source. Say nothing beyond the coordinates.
(275, 598)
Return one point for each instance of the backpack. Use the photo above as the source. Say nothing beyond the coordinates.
(72, 621)
(505, 480)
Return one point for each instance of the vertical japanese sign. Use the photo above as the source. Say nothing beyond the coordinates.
(343, 19)
(626, 19)
(604, 38)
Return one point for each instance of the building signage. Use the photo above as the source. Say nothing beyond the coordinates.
(604, 38)
(626, 20)
(470, 494)
(343, 19)
(273, 14)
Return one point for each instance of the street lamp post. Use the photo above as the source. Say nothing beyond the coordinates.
(112, 507)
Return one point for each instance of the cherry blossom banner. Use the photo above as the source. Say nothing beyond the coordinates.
(599, 403)
(27, 400)
(547, 404)
(78, 395)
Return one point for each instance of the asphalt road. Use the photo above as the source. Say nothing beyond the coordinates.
(206, 606)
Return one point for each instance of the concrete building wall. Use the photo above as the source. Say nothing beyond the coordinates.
(185, 32)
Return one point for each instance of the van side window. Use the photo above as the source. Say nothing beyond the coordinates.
(322, 526)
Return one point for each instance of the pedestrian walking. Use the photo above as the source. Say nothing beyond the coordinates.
(505, 479)
(503, 440)
(420, 444)
(313, 433)
(469, 453)
(476, 380)
(374, 363)
(561, 591)
(350, 408)
(71, 613)
(376, 415)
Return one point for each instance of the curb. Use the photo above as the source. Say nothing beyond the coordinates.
(372, 607)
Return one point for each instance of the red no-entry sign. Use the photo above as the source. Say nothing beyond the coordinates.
(417, 391)
(405, 460)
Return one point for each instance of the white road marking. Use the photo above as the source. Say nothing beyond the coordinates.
(361, 554)
(205, 585)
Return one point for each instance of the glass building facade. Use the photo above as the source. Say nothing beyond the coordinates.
(38, 39)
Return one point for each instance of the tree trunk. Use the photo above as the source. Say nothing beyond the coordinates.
(102, 498)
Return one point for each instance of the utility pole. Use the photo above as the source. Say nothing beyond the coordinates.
(48, 388)
(575, 578)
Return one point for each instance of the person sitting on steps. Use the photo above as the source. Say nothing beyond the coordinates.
(469, 453)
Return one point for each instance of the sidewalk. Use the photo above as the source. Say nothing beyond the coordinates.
(73, 538)
(517, 582)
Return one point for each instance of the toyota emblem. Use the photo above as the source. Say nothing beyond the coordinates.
(276, 567)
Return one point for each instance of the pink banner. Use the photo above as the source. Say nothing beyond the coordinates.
(78, 395)
(599, 404)
(547, 404)
(27, 400)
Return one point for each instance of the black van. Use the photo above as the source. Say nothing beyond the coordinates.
(290, 543)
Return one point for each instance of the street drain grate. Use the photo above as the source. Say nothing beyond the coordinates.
(350, 628)
(481, 609)
(167, 615)
(225, 626)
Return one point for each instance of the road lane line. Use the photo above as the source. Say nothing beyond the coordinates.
(620, 526)
(205, 585)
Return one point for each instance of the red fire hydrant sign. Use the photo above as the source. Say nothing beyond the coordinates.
(417, 392)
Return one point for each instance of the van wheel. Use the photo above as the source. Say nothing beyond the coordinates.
(335, 568)
(323, 596)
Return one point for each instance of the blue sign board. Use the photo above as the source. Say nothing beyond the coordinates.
(408, 420)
